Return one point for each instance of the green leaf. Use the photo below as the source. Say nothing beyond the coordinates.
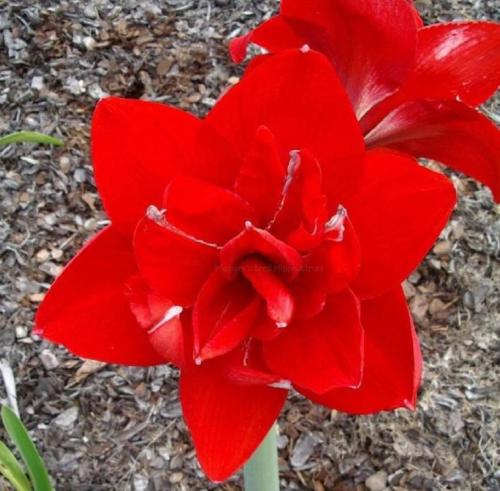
(29, 137)
(34, 463)
(12, 471)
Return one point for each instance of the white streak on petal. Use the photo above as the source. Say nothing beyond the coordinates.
(159, 217)
(281, 384)
(293, 165)
(170, 314)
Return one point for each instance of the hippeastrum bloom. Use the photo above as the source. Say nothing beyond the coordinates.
(413, 88)
(258, 249)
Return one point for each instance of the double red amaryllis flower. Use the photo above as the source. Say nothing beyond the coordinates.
(413, 88)
(258, 249)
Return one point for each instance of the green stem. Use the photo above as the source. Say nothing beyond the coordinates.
(261, 471)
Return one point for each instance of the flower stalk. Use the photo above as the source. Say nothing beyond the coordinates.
(261, 471)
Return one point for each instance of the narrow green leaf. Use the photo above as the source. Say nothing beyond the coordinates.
(34, 463)
(29, 137)
(12, 471)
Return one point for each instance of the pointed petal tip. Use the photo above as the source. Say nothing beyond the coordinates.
(227, 421)
(410, 405)
(38, 331)
(238, 47)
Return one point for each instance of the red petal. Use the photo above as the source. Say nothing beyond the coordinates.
(336, 263)
(310, 290)
(342, 258)
(449, 132)
(138, 146)
(303, 209)
(134, 158)
(246, 365)
(324, 352)
(148, 307)
(393, 363)
(279, 300)
(398, 214)
(298, 96)
(418, 20)
(87, 311)
(227, 421)
(223, 314)
(206, 211)
(330, 268)
(254, 240)
(262, 169)
(264, 329)
(160, 318)
(457, 59)
(276, 34)
(173, 264)
(168, 340)
(238, 47)
(371, 43)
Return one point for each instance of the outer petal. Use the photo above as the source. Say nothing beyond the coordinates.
(276, 34)
(87, 311)
(398, 214)
(449, 132)
(393, 363)
(227, 421)
(324, 352)
(174, 265)
(418, 20)
(371, 43)
(138, 146)
(457, 59)
(298, 96)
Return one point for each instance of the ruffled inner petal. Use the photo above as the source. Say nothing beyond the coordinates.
(255, 241)
(173, 263)
(223, 315)
(262, 169)
(206, 211)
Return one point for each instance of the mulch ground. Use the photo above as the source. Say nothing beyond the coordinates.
(103, 427)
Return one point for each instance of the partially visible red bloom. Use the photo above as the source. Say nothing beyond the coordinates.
(413, 88)
(258, 249)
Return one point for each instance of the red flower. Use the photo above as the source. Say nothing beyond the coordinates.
(413, 88)
(257, 249)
